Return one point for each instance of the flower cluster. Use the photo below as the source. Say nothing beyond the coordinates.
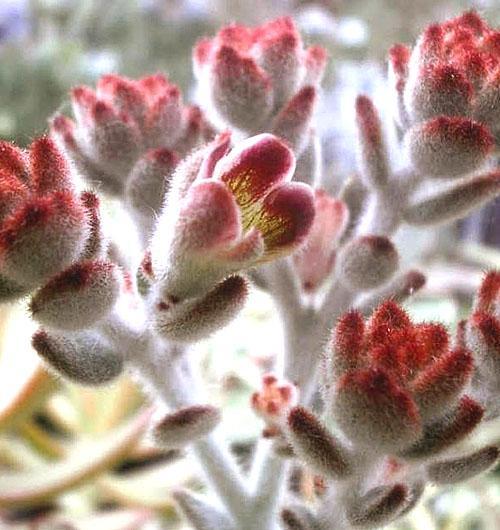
(262, 78)
(129, 135)
(451, 76)
(273, 402)
(51, 242)
(400, 392)
(387, 379)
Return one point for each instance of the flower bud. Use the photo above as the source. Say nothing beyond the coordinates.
(193, 320)
(279, 53)
(240, 90)
(293, 123)
(49, 169)
(367, 262)
(372, 152)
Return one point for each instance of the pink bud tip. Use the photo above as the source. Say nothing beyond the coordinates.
(103, 112)
(399, 55)
(202, 51)
(432, 43)
(316, 57)
(368, 120)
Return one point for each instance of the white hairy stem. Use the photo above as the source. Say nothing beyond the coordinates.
(167, 370)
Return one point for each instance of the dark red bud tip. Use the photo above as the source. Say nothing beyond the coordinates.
(489, 292)
(348, 341)
(414, 281)
(90, 200)
(489, 326)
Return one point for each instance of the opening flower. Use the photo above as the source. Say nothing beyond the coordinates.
(239, 210)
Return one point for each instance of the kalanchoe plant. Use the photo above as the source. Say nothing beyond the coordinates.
(216, 209)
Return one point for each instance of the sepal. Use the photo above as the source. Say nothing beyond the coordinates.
(78, 297)
(186, 425)
(84, 357)
(195, 319)
(316, 446)
(464, 467)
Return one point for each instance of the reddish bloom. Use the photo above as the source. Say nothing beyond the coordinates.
(252, 75)
(452, 71)
(237, 209)
(121, 121)
(43, 223)
(393, 376)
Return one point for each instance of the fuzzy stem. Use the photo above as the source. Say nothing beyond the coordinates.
(268, 491)
(167, 370)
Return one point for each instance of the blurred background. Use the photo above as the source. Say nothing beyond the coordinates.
(84, 441)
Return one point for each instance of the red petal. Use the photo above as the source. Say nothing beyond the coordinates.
(209, 218)
(286, 217)
(253, 167)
